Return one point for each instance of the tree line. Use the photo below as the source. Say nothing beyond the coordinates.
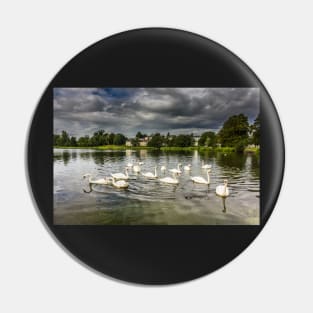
(99, 138)
(235, 132)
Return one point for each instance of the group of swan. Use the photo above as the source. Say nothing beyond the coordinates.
(119, 180)
(107, 181)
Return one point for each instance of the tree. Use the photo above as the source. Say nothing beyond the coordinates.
(111, 138)
(83, 141)
(234, 130)
(256, 131)
(208, 139)
(156, 141)
(56, 140)
(182, 141)
(73, 141)
(64, 139)
(139, 135)
(119, 139)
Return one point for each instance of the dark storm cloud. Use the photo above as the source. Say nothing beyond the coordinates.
(82, 111)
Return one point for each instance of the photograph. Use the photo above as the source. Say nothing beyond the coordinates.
(156, 156)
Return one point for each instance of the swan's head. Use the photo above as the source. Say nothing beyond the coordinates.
(225, 181)
(209, 171)
(86, 175)
(189, 165)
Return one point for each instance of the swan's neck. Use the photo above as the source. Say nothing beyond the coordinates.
(155, 171)
(225, 188)
(208, 177)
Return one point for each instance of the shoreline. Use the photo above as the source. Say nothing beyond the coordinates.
(166, 149)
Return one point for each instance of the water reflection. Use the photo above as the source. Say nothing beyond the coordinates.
(153, 202)
(66, 157)
(224, 204)
(231, 160)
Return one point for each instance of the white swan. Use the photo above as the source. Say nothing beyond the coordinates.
(201, 180)
(136, 168)
(176, 170)
(151, 175)
(170, 180)
(206, 166)
(187, 167)
(163, 168)
(120, 183)
(141, 163)
(118, 176)
(130, 164)
(222, 190)
(100, 181)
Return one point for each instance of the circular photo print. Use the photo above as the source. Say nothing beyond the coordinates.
(155, 156)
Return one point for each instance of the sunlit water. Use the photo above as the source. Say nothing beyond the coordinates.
(150, 201)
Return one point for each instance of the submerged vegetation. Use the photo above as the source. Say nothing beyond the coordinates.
(236, 135)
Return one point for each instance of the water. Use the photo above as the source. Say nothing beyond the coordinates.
(150, 202)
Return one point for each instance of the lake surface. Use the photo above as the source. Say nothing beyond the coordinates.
(150, 202)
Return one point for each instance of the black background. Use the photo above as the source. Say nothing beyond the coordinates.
(154, 58)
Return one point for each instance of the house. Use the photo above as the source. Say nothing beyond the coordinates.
(128, 143)
(143, 142)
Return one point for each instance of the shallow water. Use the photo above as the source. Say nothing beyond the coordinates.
(150, 201)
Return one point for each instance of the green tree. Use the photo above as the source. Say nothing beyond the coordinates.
(111, 138)
(139, 135)
(119, 139)
(208, 139)
(183, 141)
(73, 141)
(64, 139)
(256, 131)
(56, 140)
(83, 141)
(234, 131)
(156, 141)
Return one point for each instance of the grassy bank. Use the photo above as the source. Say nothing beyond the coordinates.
(200, 149)
(252, 150)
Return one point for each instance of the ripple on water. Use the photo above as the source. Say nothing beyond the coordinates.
(149, 201)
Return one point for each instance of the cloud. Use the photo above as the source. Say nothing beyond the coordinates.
(82, 111)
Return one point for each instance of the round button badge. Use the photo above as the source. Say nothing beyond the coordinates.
(155, 156)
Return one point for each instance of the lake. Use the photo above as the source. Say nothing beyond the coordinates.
(150, 202)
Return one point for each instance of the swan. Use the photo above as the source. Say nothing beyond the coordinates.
(141, 163)
(136, 168)
(176, 170)
(187, 167)
(151, 175)
(163, 168)
(120, 183)
(118, 176)
(100, 181)
(201, 180)
(206, 166)
(170, 180)
(130, 164)
(222, 190)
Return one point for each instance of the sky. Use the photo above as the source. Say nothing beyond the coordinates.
(82, 111)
